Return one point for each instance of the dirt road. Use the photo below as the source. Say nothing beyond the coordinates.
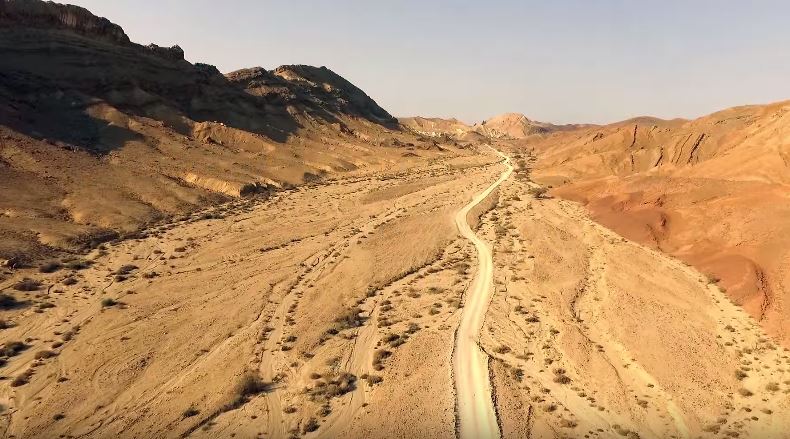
(475, 410)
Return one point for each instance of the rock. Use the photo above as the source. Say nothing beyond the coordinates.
(207, 69)
(35, 13)
(172, 52)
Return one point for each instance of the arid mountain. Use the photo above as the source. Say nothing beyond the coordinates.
(100, 135)
(711, 191)
(513, 126)
(434, 126)
(508, 126)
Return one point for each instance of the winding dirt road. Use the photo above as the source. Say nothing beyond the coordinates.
(475, 412)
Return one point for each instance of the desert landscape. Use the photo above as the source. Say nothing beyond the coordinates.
(271, 254)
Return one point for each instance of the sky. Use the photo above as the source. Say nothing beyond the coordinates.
(561, 61)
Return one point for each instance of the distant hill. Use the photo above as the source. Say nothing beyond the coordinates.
(504, 126)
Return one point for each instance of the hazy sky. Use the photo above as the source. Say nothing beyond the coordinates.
(556, 61)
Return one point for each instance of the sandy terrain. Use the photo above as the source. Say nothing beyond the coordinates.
(273, 319)
(593, 335)
(326, 310)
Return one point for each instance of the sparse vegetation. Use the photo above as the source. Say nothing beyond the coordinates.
(310, 425)
(332, 386)
(69, 281)
(8, 301)
(27, 284)
(251, 384)
(42, 355)
(373, 379)
(22, 379)
(14, 348)
(78, 264)
(190, 411)
(378, 357)
(393, 340)
(50, 267)
(560, 377)
(349, 319)
(538, 192)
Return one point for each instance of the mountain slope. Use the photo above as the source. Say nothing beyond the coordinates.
(711, 191)
(99, 135)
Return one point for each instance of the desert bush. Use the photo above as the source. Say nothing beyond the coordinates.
(27, 284)
(251, 384)
(8, 301)
(13, 348)
(310, 426)
(78, 264)
(190, 411)
(373, 379)
(393, 340)
(69, 281)
(22, 379)
(125, 269)
(42, 355)
(332, 387)
(712, 428)
(349, 319)
(45, 305)
(50, 267)
(108, 301)
(378, 357)
(560, 377)
(538, 192)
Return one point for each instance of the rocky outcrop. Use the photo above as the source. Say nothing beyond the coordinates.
(173, 52)
(312, 86)
(254, 77)
(48, 15)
